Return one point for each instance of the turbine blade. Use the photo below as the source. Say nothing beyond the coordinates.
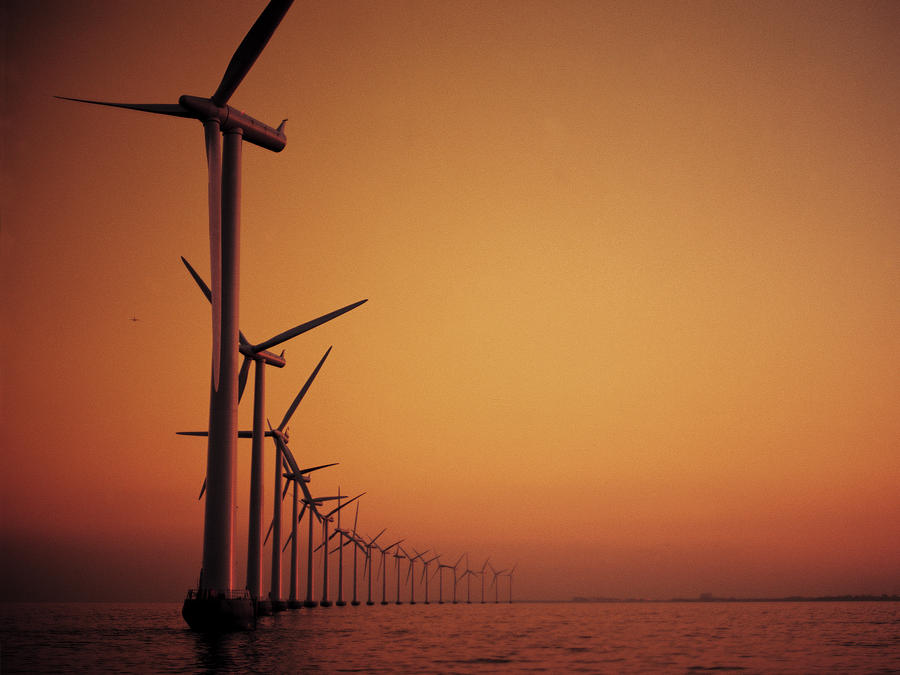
(192, 433)
(198, 279)
(316, 468)
(269, 531)
(170, 109)
(302, 392)
(355, 517)
(335, 510)
(302, 511)
(287, 484)
(287, 541)
(214, 167)
(250, 48)
(242, 376)
(303, 327)
(202, 490)
(203, 287)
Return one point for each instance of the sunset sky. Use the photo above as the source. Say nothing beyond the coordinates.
(633, 272)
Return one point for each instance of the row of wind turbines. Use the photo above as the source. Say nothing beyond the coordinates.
(303, 502)
(217, 604)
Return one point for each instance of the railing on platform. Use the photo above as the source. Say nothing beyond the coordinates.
(211, 594)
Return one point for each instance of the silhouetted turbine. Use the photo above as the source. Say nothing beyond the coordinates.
(224, 227)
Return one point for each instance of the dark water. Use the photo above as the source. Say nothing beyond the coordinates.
(840, 637)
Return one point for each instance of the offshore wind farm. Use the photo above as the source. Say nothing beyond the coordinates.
(629, 329)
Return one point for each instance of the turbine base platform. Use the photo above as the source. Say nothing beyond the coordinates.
(310, 604)
(340, 603)
(279, 606)
(370, 603)
(294, 604)
(355, 603)
(325, 603)
(263, 608)
(218, 611)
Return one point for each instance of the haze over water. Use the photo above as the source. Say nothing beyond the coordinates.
(632, 270)
(812, 637)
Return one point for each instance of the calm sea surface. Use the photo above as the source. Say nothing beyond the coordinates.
(813, 637)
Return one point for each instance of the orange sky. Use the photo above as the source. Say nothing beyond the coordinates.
(632, 268)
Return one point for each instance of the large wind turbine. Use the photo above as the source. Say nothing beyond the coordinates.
(261, 356)
(254, 547)
(216, 605)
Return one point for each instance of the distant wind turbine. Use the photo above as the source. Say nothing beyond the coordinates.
(327, 518)
(411, 577)
(468, 574)
(495, 583)
(369, 545)
(383, 567)
(510, 575)
(486, 564)
(440, 571)
(425, 564)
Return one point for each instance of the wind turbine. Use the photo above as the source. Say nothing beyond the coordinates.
(495, 583)
(425, 564)
(215, 604)
(398, 554)
(486, 564)
(468, 574)
(303, 477)
(340, 533)
(455, 578)
(309, 500)
(327, 518)
(411, 577)
(510, 575)
(358, 545)
(369, 546)
(440, 570)
(254, 547)
(383, 569)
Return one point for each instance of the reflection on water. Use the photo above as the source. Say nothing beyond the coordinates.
(524, 637)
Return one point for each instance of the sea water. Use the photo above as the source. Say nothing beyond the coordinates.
(755, 637)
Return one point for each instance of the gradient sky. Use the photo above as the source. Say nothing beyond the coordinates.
(632, 269)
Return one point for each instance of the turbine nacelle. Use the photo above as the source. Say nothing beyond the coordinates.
(231, 119)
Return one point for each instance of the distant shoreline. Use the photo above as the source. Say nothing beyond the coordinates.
(710, 598)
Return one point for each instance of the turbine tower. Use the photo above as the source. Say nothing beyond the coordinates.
(216, 605)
